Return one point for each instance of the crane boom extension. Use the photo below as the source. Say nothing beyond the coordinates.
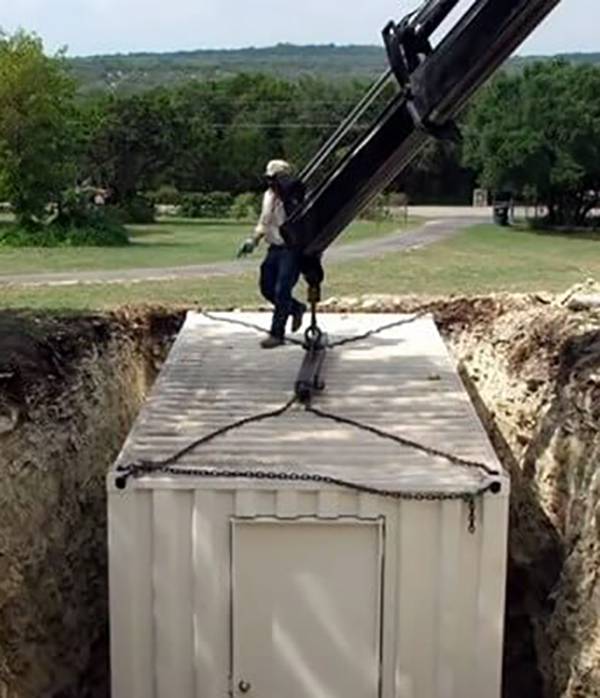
(435, 86)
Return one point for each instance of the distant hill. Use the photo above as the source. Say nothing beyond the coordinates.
(141, 71)
(580, 58)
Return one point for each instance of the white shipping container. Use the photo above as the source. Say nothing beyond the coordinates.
(275, 589)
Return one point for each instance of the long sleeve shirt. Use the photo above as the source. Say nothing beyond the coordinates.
(271, 218)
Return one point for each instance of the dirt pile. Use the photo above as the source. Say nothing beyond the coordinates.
(69, 389)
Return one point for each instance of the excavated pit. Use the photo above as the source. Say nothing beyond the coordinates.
(71, 387)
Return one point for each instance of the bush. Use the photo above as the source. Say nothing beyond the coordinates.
(214, 205)
(166, 196)
(191, 206)
(56, 235)
(78, 224)
(246, 206)
(138, 210)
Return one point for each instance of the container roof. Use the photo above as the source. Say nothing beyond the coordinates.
(402, 381)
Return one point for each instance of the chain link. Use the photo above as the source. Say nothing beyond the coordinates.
(168, 466)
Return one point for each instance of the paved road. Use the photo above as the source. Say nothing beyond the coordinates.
(430, 232)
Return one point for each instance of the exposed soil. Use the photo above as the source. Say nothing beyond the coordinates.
(70, 388)
(532, 366)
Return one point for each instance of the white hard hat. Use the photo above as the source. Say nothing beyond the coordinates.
(277, 167)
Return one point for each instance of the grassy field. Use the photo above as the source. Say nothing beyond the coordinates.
(483, 259)
(176, 242)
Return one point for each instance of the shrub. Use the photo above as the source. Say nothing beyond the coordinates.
(166, 195)
(246, 206)
(77, 224)
(192, 206)
(213, 205)
(109, 235)
(138, 210)
(56, 235)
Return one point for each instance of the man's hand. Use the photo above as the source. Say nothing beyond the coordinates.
(248, 247)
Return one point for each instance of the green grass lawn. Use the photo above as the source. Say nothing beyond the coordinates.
(480, 260)
(170, 243)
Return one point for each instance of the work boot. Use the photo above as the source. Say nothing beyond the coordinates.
(271, 342)
(297, 318)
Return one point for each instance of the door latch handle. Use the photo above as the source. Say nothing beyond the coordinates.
(244, 687)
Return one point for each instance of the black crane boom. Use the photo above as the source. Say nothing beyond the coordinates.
(435, 83)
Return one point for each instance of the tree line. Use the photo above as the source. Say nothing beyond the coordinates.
(138, 72)
(535, 133)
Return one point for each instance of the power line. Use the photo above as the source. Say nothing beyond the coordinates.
(279, 125)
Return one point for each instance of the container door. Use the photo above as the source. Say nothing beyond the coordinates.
(306, 614)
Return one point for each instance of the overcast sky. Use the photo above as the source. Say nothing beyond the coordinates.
(109, 26)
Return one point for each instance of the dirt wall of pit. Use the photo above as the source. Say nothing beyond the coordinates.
(70, 390)
(536, 378)
(532, 366)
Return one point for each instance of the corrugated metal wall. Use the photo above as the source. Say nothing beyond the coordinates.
(170, 557)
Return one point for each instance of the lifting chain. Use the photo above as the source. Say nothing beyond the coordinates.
(315, 341)
(169, 466)
(143, 468)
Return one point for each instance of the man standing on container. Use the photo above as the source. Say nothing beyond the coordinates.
(280, 270)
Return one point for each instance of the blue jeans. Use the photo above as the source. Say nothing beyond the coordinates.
(279, 273)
